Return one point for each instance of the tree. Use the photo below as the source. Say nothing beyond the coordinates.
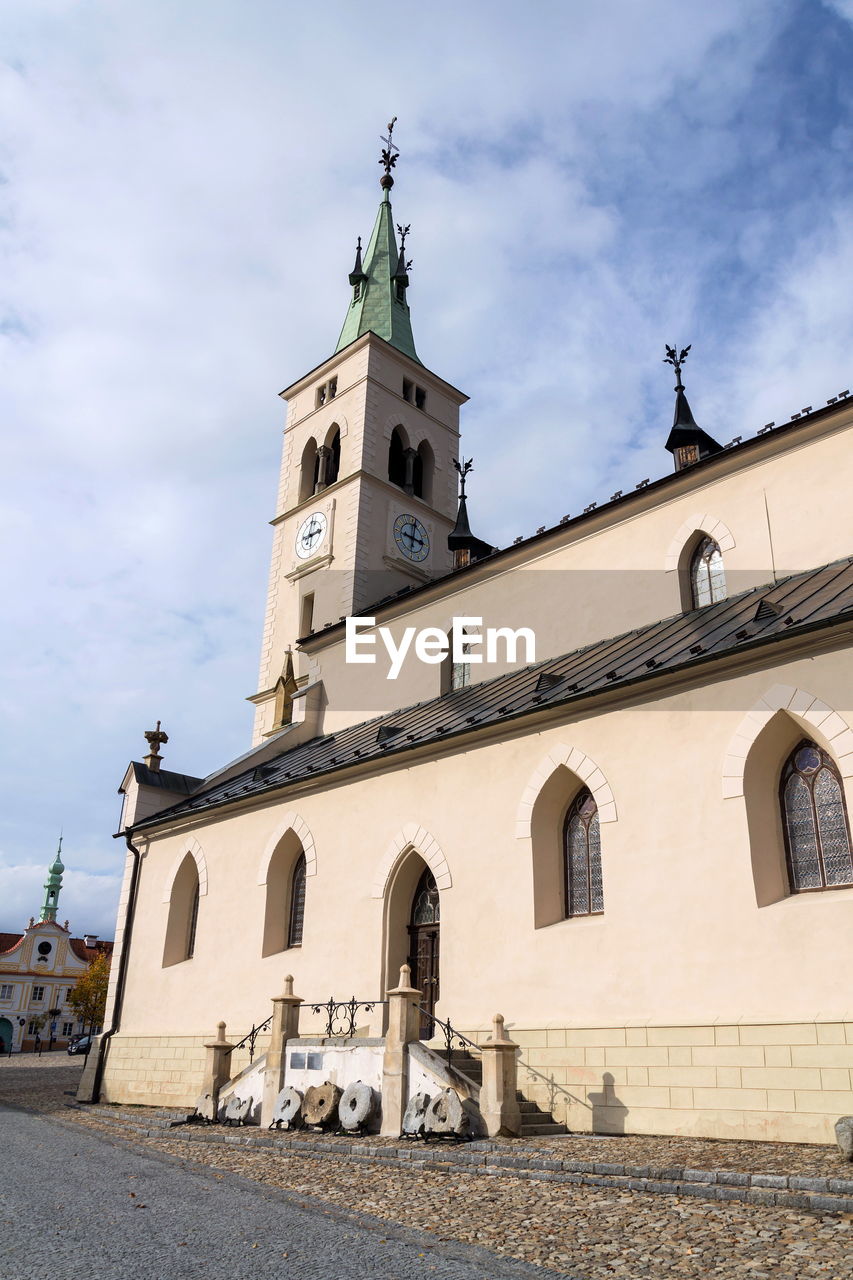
(88, 998)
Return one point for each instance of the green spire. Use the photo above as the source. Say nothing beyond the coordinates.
(52, 886)
(378, 304)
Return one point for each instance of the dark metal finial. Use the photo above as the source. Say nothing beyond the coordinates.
(155, 738)
(390, 151)
(463, 468)
(676, 361)
(402, 232)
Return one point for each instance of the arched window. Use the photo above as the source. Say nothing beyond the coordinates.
(707, 575)
(309, 470)
(814, 820)
(182, 923)
(422, 472)
(297, 903)
(397, 458)
(333, 462)
(582, 858)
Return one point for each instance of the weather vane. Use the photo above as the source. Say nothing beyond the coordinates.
(390, 151)
(463, 468)
(676, 361)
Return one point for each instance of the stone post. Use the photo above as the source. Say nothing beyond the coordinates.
(403, 1027)
(285, 1026)
(498, 1100)
(217, 1068)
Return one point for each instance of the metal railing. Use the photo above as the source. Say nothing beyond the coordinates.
(252, 1037)
(452, 1038)
(341, 1014)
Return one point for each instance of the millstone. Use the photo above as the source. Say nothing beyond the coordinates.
(286, 1108)
(320, 1103)
(238, 1109)
(356, 1105)
(445, 1114)
(204, 1107)
(415, 1115)
(844, 1137)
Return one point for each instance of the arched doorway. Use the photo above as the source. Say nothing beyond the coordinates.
(424, 926)
(6, 1033)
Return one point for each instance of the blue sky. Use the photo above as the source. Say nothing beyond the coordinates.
(180, 191)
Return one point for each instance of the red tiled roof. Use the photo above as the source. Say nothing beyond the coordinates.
(87, 954)
(9, 940)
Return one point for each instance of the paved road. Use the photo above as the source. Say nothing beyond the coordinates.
(75, 1205)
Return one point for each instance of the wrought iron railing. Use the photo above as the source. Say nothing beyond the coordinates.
(452, 1038)
(341, 1014)
(252, 1037)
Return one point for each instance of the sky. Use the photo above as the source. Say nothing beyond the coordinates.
(181, 186)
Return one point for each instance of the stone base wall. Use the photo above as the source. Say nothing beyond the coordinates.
(783, 1082)
(776, 1082)
(163, 1071)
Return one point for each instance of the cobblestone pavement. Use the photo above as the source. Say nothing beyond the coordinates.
(589, 1233)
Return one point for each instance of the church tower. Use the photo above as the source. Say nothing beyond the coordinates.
(367, 495)
(52, 886)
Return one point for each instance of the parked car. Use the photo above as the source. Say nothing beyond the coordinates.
(81, 1044)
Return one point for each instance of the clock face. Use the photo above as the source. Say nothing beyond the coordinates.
(310, 535)
(411, 538)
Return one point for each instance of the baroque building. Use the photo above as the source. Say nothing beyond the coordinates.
(38, 970)
(635, 845)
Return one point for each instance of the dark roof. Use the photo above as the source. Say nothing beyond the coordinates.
(736, 447)
(178, 783)
(9, 940)
(82, 952)
(753, 620)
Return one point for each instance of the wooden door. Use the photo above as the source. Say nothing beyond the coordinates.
(424, 947)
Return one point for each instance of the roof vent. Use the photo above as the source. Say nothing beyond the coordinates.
(388, 731)
(548, 680)
(766, 611)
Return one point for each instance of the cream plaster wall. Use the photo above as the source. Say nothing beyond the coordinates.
(785, 510)
(682, 942)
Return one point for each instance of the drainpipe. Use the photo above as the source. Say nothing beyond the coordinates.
(122, 965)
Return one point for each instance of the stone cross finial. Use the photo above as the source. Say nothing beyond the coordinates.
(154, 738)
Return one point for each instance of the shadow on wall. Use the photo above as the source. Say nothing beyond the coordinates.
(608, 1113)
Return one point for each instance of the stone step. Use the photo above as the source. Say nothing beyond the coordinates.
(544, 1129)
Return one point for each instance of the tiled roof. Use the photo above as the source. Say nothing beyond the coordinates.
(9, 940)
(87, 954)
(753, 620)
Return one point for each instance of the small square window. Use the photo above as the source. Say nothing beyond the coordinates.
(408, 388)
(420, 397)
(333, 388)
(38, 993)
(297, 1061)
(315, 1062)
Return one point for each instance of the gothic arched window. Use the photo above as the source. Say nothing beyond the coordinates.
(333, 462)
(814, 820)
(193, 923)
(582, 858)
(707, 575)
(297, 903)
(182, 921)
(397, 458)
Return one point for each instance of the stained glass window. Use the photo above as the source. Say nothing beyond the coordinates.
(707, 575)
(297, 903)
(426, 907)
(814, 820)
(582, 847)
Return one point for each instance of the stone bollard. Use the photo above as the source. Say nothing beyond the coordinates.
(285, 1026)
(403, 1027)
(217, 1068)
(498, 1094)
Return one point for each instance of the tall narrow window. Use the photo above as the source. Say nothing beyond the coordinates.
(582, 858)
(814, 820)
(297, 903)
(397, 458)
(707, 575)
(193, 923)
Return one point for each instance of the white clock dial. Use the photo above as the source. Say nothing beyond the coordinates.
(311, 534)
(411, 538)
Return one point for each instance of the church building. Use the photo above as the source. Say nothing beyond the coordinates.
(631, 839)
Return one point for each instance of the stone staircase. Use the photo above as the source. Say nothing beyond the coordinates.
(535, 1123)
